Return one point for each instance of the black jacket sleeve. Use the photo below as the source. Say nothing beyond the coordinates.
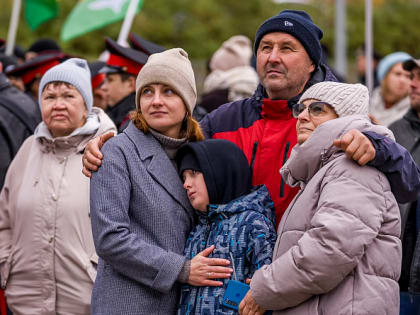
(398, 165)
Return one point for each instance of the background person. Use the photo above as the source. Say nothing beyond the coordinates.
(141, 216)
(338, 249)
(19, 116)
(361, 65)
(100, 97)
(42, 46)
(32, 71)
(10, 62)
(389, 101)
(230, 76)
(240, 223)
(47, 256)
(407, 133)
(121, 71)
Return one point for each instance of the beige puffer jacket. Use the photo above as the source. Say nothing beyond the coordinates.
(47, 256)
(338, 249)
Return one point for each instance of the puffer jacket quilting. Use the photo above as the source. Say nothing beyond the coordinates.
(338, 249)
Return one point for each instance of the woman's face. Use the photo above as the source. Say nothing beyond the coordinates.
(63, 109)
(397, 81)
(163, 109)
(307, 121)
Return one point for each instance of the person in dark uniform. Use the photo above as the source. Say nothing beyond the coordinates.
(121, 71)
(144, 45)
(41, 47)
(98, 79)
(31, 71)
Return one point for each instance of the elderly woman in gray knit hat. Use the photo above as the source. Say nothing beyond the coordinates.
(338, 249)
(141, 215)
(47, 256)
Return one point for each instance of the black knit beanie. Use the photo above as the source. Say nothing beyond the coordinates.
(298, 24)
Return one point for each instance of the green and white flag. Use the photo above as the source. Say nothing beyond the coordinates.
(40, 11)
(89, 15)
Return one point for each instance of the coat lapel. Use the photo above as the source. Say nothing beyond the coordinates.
(160, 167)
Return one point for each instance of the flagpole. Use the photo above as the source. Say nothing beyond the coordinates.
(369, 45)
(128, 21)
(14, 21)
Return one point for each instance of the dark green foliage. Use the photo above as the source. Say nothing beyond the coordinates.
(200, 26)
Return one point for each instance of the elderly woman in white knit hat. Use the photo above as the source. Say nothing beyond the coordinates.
(338, 249)
(47, 256)
(389, 101)
(141, 215)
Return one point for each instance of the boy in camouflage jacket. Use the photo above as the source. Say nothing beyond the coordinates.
(238, 220)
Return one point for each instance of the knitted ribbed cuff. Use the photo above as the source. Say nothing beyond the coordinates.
(185, 272)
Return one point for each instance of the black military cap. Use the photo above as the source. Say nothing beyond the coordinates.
(411, 64)
(18, 51)
(139, 43)
(44, 45)
(96, 76)
(123, 59)
(36, 67)
(8, 62)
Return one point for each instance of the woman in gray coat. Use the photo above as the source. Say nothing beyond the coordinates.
(141, 215)
(338, 249)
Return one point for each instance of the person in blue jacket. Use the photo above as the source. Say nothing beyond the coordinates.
(236, 219)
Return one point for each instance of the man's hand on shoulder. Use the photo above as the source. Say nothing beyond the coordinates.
(356, 146)
(92, 157)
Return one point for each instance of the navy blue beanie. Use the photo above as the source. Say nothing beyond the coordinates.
(298, 24)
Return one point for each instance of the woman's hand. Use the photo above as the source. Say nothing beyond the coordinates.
(92, 157)
(248, 306)
(204, 269)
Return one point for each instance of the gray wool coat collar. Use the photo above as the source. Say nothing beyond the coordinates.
(159, 166)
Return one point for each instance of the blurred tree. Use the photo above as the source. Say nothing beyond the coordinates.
(200, 26)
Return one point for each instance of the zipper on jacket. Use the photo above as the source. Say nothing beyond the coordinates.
(254, 154)
(286, 152)
(197, 289)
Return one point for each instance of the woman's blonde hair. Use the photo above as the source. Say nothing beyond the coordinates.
(190, 128)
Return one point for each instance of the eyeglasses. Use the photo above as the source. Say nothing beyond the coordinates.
(315, 109)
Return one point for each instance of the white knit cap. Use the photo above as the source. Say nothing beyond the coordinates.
(235, 52)
(74, 71)
(173, 68)
(346, 99)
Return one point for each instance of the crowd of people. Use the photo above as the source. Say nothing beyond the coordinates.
(282, 191)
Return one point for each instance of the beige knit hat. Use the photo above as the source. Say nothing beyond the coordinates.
(234, 52)
(346, 99)
(173, 68)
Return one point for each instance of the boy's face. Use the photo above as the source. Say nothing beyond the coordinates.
(196, 189)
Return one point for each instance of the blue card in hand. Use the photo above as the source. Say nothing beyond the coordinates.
(234, 294)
